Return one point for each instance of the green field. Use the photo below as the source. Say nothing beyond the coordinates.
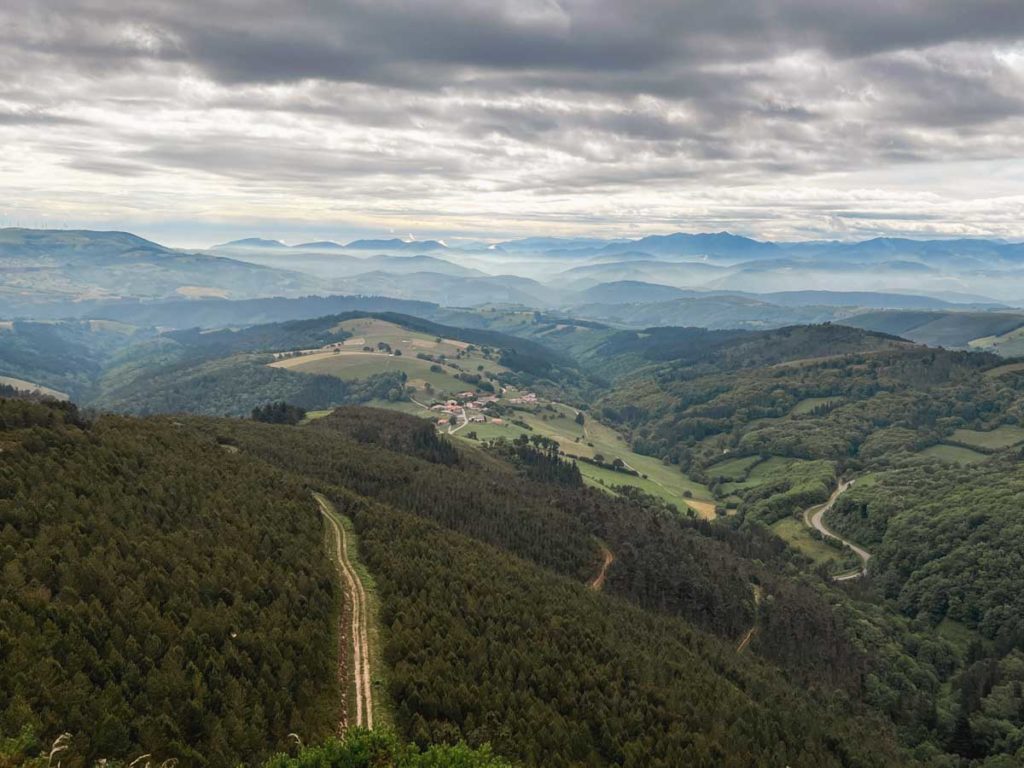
(1010, 344)
(733, 469)
(599, 477)
(403, 406)
(957, 633)
(593, 439)
(1004, 369)
(360, 365)
(953, 453)
(1001, 437)
(799, 535)
(28, 386)
(350, 361)
(797, 472)
(808, 405)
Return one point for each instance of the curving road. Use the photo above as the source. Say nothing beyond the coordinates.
(360, 613)
(813, 518)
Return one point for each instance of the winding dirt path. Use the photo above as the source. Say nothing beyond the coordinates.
(359, 613)
(746, 639)
(607, 558)
(813, 518)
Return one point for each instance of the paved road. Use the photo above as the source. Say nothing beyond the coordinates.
(360, 613)
(465, 421)
(813, 517)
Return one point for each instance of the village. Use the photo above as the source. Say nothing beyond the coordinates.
(472, 408)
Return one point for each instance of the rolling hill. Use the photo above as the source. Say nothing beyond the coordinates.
(42, 266)
(943, 329)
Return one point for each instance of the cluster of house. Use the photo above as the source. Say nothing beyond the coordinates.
(466, 400)
(527, 398)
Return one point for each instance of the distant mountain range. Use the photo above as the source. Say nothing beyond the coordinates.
(984, 271)
(716, 280)
(385, 246)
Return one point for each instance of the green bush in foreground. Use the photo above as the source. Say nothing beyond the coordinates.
(381, 749)
(357, 749)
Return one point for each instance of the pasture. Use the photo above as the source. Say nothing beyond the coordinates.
(595, 439)
(350, 360)
(798, 535)
(1001, 437)
(951, 454)
(809, 404)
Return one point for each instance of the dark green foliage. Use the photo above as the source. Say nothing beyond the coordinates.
(278, 413)
(478, 494)
(395, 431)
(380, 749)
(730, 350)
(66, 356)
(538, 456)
(271, 337)
(948, 542)
(938, 328)
(487, 648)
(159, 593)
(234, 386)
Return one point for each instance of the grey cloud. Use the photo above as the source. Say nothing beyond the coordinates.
(247, 160)
(36, 118)
(517, 97)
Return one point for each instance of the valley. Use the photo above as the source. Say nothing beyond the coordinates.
(524, 465)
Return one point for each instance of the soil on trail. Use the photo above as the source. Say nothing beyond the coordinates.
(358, 612)
(746, 640)
(607, 558)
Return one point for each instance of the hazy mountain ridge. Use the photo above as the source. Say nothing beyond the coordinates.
(736, 282)
(982, 267)
(77, 265)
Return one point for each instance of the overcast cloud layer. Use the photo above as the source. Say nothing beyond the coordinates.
(330, 118)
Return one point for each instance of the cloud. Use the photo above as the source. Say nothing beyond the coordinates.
(462, 116)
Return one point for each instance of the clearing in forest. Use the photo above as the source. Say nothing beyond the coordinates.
(952, 454)
(1002, 436)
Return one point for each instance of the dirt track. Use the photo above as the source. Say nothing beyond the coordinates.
(607, 558)
(359, 613)
(746, 639)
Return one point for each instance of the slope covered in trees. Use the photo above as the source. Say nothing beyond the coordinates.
(773, 439)
(482, 557)
(160, 594)
(166, 591)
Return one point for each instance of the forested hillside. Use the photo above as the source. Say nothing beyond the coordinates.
(160, 594)
(181, 559)
(931, 439)
(469, 553)
(238, 617)
(226, 371)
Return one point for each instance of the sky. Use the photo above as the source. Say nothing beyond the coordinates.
(194, 122)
